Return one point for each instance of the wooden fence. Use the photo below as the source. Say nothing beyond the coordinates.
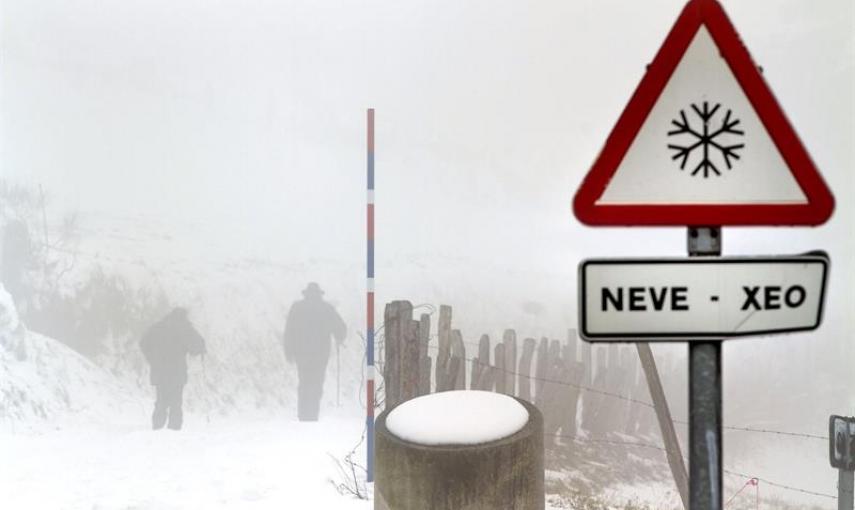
(560, 378)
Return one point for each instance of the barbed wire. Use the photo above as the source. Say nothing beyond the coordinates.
(665, 450)
(607, 441)
(557, 381)
(763, 431)
(651, 405)
(781, 485)
(636, 401)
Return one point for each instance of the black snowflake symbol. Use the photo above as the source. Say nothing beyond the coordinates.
(705, 139)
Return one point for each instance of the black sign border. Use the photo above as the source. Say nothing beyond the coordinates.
(813, 257)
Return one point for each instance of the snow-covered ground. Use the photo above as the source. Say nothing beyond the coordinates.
(225, 463)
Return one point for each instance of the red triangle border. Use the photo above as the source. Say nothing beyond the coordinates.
(820, 202)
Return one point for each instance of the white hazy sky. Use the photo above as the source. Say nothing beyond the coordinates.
(489, 113)
(250, 114)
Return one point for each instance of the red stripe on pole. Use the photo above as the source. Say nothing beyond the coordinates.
(370, 222)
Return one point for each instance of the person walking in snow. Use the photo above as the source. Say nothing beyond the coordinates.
(166, 346)
(310, 324)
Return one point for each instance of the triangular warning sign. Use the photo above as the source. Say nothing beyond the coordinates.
(703, 142)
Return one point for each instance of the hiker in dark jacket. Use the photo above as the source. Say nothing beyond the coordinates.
(311, 322)
(166, 346)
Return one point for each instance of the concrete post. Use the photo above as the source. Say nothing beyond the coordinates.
(506, 474)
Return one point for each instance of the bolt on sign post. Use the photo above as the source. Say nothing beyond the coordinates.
(841, 438)
(702, 143)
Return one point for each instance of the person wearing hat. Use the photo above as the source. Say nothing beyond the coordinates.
(310, 325)
(166, 346)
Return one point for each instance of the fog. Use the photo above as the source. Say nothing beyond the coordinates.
(211, 156)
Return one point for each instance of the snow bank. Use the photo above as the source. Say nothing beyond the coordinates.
(8, 314)
(46, 385)
(457, 417)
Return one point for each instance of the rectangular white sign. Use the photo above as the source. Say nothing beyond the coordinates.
(700, 298)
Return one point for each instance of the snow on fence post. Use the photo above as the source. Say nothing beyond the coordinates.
(458, 352)
(510, 340)
(444, 352)
(424, 358)
(524, 371)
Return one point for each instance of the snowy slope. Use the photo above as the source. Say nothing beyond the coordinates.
(44, 384)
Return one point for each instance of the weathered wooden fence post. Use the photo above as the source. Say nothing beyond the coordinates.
(574, 373)
(510, 340)
(444, 353)
(488, 372)
(424, 357)
(529, 344)
(457, 369)
(612, 417)
(628, 369)
(410, 361)
(541, 366)
(589, 364)
(480, 364)
(398, 317)
(499, 371)
(592, 409)
(550, 401)
(666, 423)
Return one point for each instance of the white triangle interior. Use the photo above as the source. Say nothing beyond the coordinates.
(648, 174)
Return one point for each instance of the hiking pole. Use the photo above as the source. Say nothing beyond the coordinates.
(337, 374)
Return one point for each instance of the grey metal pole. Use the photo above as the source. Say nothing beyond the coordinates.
(845, 490)
(705, 423)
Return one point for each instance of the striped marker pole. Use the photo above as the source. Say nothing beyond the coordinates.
(369, 319)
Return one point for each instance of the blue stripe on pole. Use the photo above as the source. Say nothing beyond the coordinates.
(370, 170)
(370, 258)
(370, 353)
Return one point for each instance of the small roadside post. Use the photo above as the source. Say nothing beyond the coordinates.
(702, 144)
(841, 438)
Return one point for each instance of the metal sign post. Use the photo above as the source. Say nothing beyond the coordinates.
(705, 464)
(845, 489)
